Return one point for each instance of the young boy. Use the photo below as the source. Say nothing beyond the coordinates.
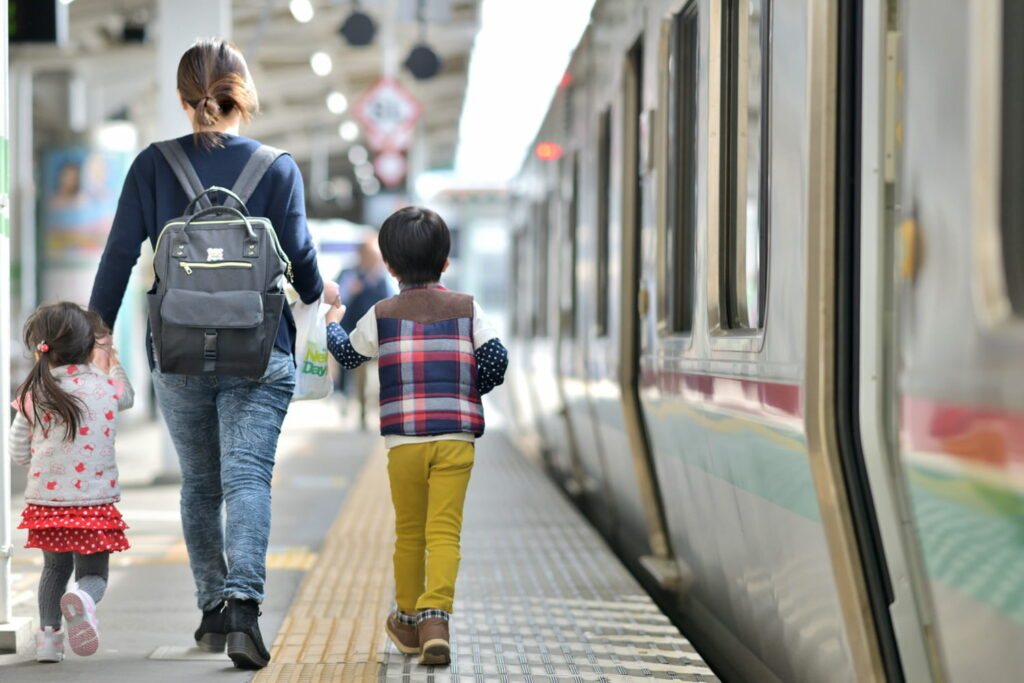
(436, 358)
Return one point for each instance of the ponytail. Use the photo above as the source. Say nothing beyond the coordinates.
(47, 398)
(214, 80)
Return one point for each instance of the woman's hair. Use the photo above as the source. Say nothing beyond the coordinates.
(214, 79)
(59, 334)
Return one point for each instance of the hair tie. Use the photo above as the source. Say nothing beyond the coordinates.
(42, 347)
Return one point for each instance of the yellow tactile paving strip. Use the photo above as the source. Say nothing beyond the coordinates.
(334, 629)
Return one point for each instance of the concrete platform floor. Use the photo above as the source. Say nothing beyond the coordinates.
(540, 596)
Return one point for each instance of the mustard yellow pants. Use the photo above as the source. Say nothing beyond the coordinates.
(428, 489)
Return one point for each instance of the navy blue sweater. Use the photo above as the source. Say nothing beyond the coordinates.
(152, 196)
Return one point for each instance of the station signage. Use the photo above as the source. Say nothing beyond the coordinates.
(388, 113)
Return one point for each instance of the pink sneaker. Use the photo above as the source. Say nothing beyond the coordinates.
(79, 609)
(49, 645)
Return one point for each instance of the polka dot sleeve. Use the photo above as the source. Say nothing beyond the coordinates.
(491, 362)
(340, 347)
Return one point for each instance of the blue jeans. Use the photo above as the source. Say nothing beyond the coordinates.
(225, 430)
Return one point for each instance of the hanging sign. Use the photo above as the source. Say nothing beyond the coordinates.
(388, 113)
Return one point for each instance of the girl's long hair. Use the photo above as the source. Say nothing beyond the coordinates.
(67, 331)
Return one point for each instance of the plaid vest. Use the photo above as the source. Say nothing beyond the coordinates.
(427, 364)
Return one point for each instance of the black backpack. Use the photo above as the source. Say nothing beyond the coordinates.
(216, 304)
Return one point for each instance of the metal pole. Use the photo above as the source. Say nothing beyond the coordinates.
(12, 632)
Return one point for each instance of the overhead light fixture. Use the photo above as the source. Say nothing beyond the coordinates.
(66, 2)
(337, 103)
(348, 130)
(364, 171)
(370, 187)
(302, 10)
(321, 63)
(423, 62)
(358, 29)
(358, 155)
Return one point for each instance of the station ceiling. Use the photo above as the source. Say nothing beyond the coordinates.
(294, 114)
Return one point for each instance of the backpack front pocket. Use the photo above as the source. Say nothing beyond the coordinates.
(212, 310)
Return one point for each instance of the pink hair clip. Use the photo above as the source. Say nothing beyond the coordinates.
(42, 347)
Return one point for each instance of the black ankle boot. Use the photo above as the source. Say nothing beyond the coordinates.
(211, 636)
(244, 642)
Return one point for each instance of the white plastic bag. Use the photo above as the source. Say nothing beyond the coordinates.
(312, 380)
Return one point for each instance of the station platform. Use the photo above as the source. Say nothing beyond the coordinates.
(540, 596)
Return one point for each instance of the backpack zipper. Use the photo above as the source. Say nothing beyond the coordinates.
(273, 233)
(187, 266)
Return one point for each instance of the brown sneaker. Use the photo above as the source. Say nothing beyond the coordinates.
(402, 635)
(434, 647)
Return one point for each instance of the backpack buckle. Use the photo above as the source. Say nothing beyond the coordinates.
(209, 350)
(179, 250)
(251, 249)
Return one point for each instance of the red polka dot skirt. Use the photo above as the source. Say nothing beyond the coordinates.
(87, 530)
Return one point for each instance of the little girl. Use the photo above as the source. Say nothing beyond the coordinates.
(64, 433)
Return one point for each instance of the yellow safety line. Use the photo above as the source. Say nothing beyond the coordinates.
(334, 630)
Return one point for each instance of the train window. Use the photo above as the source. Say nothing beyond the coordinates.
(570, 296)
(746, 38)
(1012, 156)
(541, 211)
(681, 211)
(604, 197)
(517, 280)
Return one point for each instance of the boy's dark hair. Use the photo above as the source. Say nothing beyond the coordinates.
(415, 243)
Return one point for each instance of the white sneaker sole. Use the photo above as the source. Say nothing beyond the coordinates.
(83, 631)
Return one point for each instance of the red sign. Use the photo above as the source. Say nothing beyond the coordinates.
(390, 167)
(388, 113)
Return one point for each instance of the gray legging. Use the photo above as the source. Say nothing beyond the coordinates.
(90, 573)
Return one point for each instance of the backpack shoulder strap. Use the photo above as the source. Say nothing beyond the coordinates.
(260, 161)
(183, 171)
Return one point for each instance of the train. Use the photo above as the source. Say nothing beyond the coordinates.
(768, 325)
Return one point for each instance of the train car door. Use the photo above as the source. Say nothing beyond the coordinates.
(959, 302)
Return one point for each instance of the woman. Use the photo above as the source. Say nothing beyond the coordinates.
(224, 428)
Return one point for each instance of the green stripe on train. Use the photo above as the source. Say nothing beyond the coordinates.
(972, 536)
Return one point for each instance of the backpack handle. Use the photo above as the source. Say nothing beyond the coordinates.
(212, 189)
(221, 209)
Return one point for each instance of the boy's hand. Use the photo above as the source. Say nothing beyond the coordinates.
(335, 314)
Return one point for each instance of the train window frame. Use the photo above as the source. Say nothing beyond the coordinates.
(677, 233)
(728, 50)
(602, 251)
(1000, 289)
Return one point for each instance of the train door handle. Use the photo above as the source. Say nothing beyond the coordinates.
(643, 302)
(910, 248)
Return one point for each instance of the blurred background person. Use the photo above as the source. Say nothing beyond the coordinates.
(360, 287)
